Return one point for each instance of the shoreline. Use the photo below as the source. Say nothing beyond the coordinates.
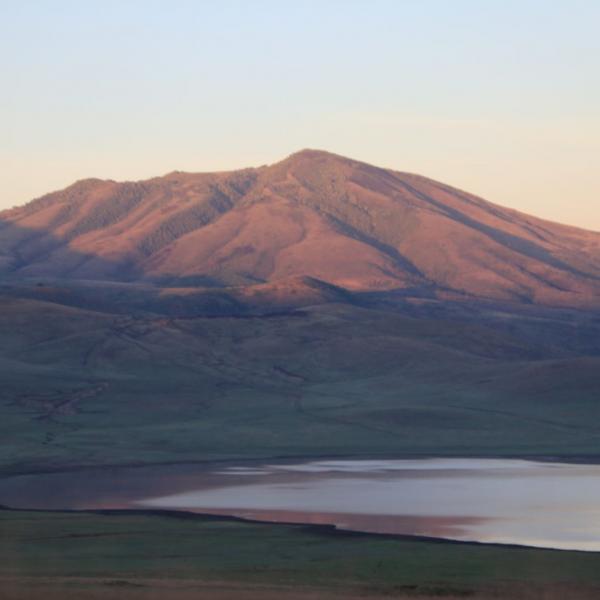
(577, 459)
(327, 529)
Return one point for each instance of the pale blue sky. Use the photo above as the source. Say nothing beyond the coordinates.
(501, 98)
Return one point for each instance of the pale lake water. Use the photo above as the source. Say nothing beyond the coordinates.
(552, 505)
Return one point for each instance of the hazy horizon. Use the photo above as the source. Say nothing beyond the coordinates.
(500, 102)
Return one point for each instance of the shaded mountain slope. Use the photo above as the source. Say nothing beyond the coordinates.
(313, 214)
(142, 299)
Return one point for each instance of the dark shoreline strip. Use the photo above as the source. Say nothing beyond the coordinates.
(584, 459)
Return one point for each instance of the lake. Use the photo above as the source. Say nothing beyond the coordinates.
(552, 505)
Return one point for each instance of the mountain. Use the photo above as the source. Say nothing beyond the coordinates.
(315, 307)
(314, 214)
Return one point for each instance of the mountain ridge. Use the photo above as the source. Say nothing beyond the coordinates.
(313, 214)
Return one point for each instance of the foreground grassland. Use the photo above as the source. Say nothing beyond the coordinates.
(145, 556)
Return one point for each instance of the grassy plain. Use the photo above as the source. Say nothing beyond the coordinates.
(125, 555)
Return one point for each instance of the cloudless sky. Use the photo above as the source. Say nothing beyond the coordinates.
(498, 97)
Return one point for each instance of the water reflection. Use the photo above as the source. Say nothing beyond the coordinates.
(413, 525)
(505, 501)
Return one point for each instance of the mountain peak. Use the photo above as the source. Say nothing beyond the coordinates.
(313, 155)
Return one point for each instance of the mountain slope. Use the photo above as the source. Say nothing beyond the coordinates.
(315, 307)
(313, 214)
